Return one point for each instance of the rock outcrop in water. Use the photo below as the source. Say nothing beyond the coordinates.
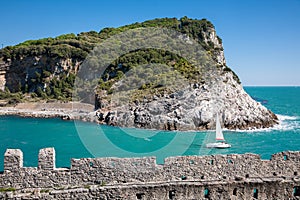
(191, 106)
(47, 68)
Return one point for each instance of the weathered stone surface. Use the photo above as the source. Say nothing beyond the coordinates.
(3, 68)
(13, 160)
(19, 71)
(181, 190)
(183, 177)
(194, 109)
(46, 159)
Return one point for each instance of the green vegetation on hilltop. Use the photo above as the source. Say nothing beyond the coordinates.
(137, 69)
(64, 46)
(148, 72)
(49, 84)
(78, 46)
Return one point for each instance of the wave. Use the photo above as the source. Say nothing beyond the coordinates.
(285, 117)
(147, 139)
(286, 123)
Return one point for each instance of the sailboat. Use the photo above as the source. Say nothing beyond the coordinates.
(220, 141)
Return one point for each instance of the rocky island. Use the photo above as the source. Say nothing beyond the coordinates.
(176, 80)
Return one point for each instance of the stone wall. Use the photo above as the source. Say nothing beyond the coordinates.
(13, 159)
(233, 176)
(187, 190)
(46, 159)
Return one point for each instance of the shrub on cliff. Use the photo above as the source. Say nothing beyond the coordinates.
(76, 47)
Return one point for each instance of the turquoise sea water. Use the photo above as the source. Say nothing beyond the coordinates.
(79, 139)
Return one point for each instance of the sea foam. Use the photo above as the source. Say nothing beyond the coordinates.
(286, 123)
(285, 117)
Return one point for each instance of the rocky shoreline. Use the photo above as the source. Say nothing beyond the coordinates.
(186, 95)
(193, 108)
(65, 111)
(181, 111)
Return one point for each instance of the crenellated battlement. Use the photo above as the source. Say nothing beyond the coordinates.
(46, 160)
(214, 170)
(13, 160)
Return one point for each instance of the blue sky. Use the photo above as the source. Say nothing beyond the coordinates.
(261, 38)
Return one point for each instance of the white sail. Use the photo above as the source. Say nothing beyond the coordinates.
(219, 134)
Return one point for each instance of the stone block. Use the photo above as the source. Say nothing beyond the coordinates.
(13, 160)
(46, 160)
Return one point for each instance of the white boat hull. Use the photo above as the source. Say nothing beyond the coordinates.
(219, 145)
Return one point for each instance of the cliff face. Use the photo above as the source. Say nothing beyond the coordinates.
(30, 71)
(210, 38)
(3, 69)
(193, 108)
(47, 68)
